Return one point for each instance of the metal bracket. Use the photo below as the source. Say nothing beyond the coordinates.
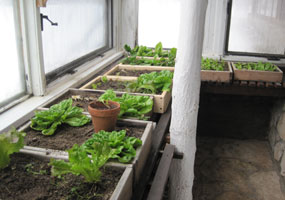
(46, 18)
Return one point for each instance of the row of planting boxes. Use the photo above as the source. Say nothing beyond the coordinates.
(230, 73)
(47, 147)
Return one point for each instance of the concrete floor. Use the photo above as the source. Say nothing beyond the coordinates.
(232, 169)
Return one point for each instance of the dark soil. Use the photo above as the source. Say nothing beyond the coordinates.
(136, 73)
(27, 178)
(81, 100)
(115, 85)
(100, 106)
(66, 136)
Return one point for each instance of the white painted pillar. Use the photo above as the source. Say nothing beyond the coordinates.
(185, 97)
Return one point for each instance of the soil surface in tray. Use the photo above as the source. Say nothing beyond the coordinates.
(115, 85)
(126, 72)
(79, 100)
(28, 178)
(66, 136)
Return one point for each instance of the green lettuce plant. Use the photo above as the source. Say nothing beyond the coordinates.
(10, 142)
(47, 121)
(123, 147)
(130, 105)
(212, 64)
(260, 66)
(80, 163)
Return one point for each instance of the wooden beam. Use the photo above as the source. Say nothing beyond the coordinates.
(161, 175)
(158, 138)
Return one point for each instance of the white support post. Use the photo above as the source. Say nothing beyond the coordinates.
(185, 97)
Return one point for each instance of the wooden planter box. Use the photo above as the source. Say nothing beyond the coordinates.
(254, 75)
(218, 76)
(137, 163)
(160, 101)
(122, 191)
(86, 96)
(149, 69)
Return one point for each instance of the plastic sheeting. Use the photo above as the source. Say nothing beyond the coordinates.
(82, 28)
(12, 82)
(258, 26)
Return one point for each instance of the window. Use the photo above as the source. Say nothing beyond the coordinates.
(83, 29)
(257, 27)
(159, 22)
(12, 75)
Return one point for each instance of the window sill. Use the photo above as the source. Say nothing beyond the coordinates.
(23, 111)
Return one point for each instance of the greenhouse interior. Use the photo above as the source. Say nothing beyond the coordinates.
(142, 99)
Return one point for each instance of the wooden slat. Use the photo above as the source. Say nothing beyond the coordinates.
(252, 83)
(277, 85)
(158, 139)
(260, 84)
(244, 83)
(236, 83)
(161, 176)
(269, 85)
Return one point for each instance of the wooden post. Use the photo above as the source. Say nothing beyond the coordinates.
(185, 96)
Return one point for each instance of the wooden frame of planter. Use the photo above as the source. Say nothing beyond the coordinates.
(161, 101)
(137, 163)
(123, 189)
(86, 95)
(255, 75)
(218, 76)
(136, 68)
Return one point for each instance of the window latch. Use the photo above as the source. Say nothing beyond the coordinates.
(46, 18)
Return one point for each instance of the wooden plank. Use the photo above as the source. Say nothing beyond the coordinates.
(277, 85)
(244, 83)
(254, 75)
(252, 83)
(260, 84)
(161, 175)
(269, 85)
(158, 139)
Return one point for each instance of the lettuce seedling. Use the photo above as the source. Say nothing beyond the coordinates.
(123, 146)
(48, 120)
(260, 66)
(130, 105)
(82, 164)
(212, 64)
(10, 142)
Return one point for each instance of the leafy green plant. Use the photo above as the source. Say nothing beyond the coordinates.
(104, 79)
(130, 105)
(47, 121)
(212, 64)
(133, 60)
(260, 66)
(148, 52)
(10, 142)
(153, 82)
(123, 147)
(81, 164)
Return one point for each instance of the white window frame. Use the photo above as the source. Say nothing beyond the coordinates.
(33, 58)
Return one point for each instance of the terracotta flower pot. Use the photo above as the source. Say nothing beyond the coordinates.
(104, 117)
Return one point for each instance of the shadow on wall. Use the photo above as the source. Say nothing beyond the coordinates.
(232, 116)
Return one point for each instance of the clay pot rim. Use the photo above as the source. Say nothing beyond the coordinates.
(104, 110)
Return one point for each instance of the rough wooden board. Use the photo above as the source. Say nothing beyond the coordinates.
(124, 188)
(253, 75)
(161, 175)
(136, 68)
(161, 101)
(217, 76)
(158, 138)
(146, 67)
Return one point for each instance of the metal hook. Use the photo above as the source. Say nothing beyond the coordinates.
(46, 17)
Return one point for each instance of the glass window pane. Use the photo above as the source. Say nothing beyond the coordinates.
(12, 82)
(159, 22)
(82, 29)
(257, 26)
